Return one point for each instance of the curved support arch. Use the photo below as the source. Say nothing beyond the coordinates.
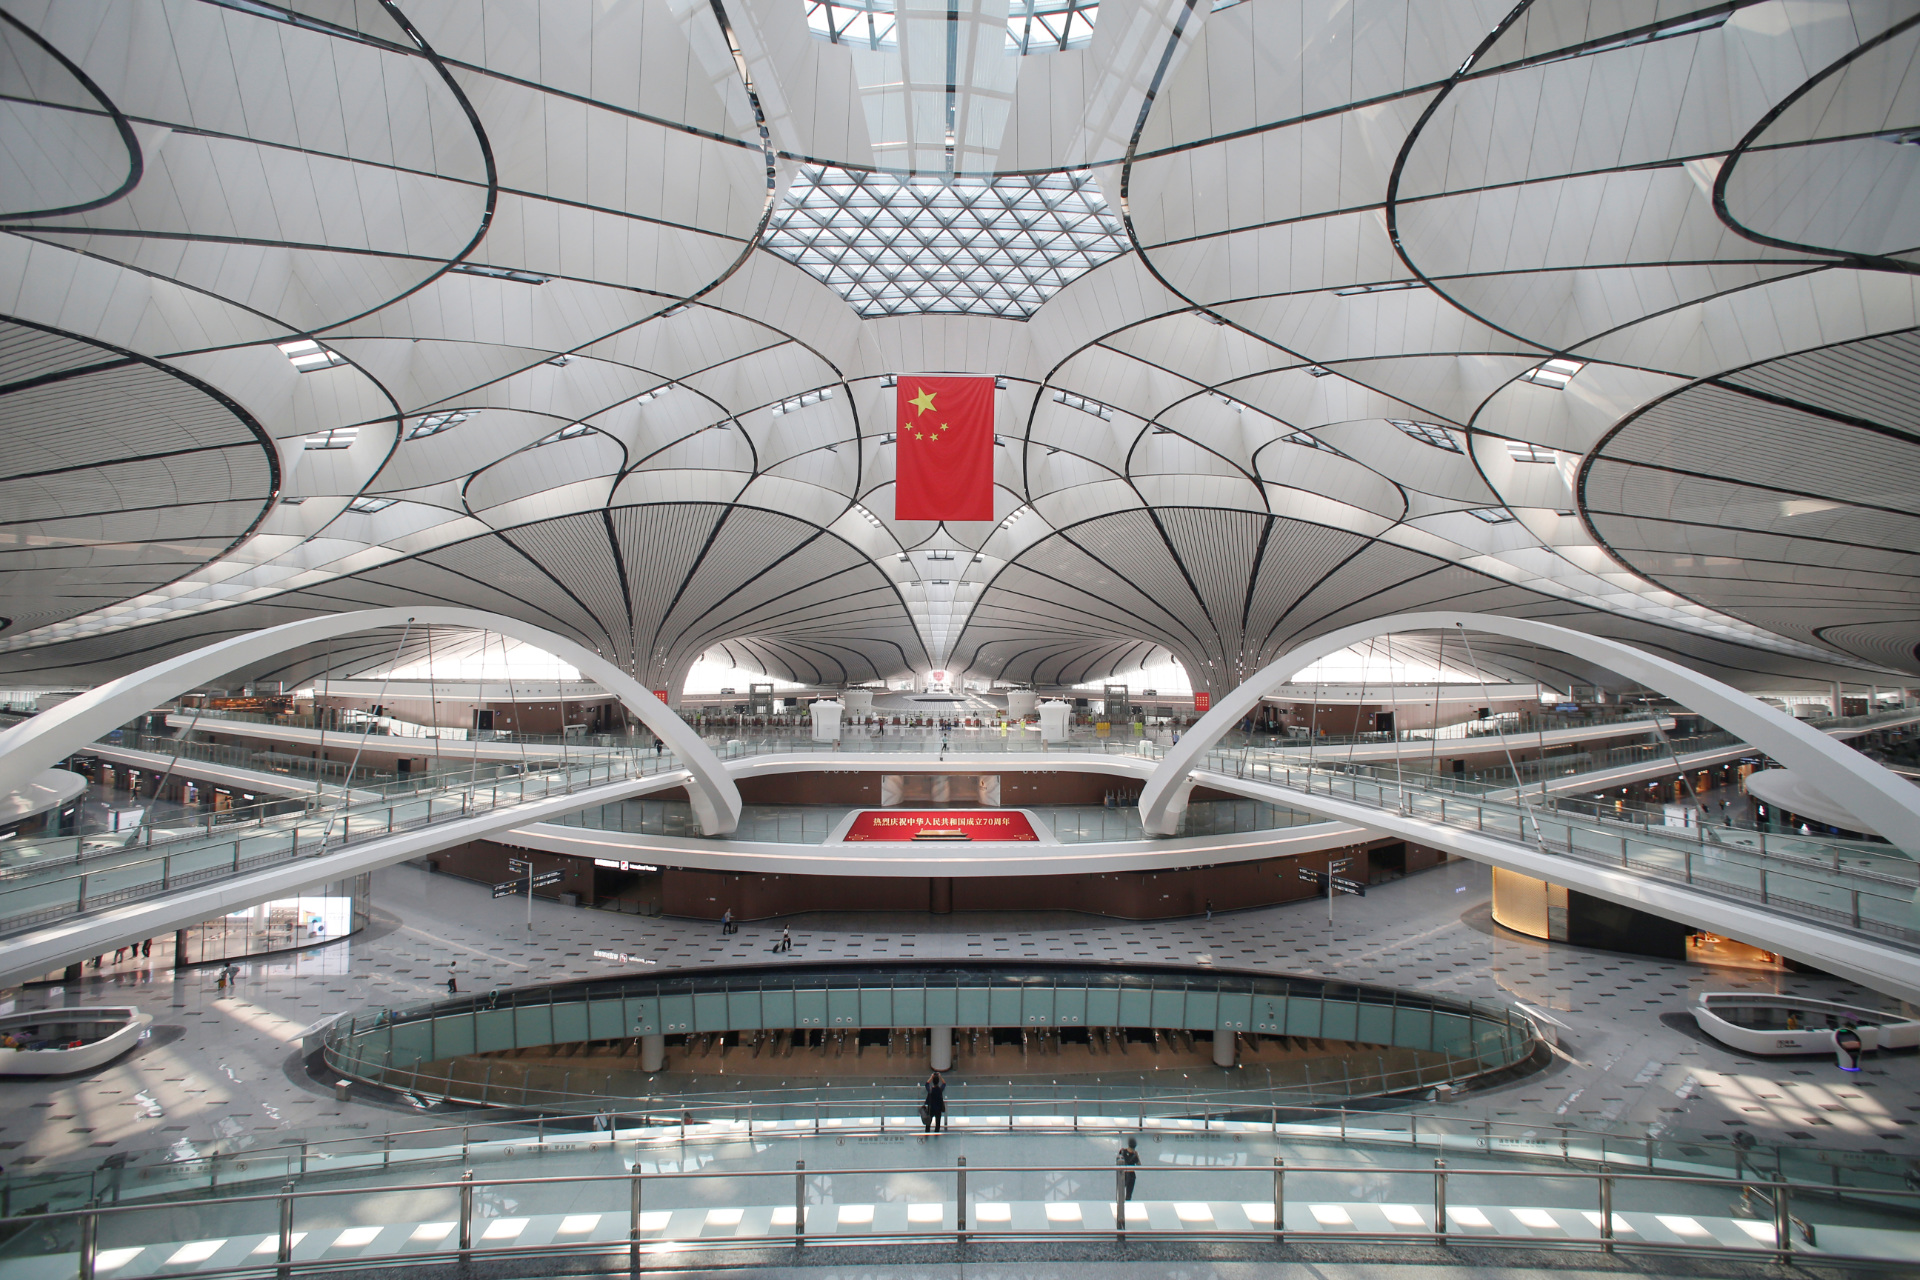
(1882, 799)
(28, 748)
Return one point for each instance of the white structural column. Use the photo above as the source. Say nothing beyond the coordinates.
(29, 747)
(1883, 800)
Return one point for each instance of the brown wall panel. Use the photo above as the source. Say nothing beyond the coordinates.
(1143, 895)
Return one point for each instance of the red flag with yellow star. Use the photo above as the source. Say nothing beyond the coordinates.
(945, 449)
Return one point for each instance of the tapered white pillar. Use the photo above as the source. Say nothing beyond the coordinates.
(1224, 1044)
(653, 1052)
(941, 1047)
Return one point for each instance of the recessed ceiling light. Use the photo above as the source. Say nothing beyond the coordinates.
(1315, 371)
(370, 505)
(1493, 515)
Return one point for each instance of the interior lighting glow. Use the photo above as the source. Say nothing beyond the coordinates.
(1428, 433)
(434, 423)
(308, 356)
(367, 506)
(1493, 515)
(1554, 373)
(1525, 451)
(1084, 405)
(1315, 371)
(867, 515)
(892, 244)
(802, 400)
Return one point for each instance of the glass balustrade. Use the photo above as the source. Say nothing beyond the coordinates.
(634, 1190)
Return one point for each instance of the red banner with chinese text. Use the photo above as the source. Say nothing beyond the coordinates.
(941, 824)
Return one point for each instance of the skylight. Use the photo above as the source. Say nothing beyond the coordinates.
(1315, 371)
(1084, 405)
(802, 400)
(367, 506)
(571, 432)
(1427, 433)
(500, 273)
(434, 423)
(1524, 451)
(1492, 515)
(308, 356)
(1310, 442)
(1554, 373)
(891, 245)
(865, 24)
(1033, 26)
(1390, 286)
(337, 438)
(1050, 26)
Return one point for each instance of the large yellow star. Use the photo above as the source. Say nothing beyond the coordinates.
(923, 401)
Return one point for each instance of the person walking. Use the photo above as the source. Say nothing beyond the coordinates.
(1128, 1159)
(933, 1111)
(1209, 909)
(453, 986)
(786, 941)
(726, 921)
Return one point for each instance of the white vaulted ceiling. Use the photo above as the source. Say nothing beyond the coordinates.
(1304, 311)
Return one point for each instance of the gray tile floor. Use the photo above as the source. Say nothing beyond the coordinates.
(220, 1063)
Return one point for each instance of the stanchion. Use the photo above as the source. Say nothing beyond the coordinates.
(1606, 1210)
(1440, 1201)
(1279, 1200)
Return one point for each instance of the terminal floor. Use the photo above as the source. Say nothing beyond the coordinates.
(224, 1064)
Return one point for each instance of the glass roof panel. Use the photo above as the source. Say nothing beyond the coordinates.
(982, 246)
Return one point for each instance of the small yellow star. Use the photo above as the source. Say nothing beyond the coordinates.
(918, 436)
(923, 401)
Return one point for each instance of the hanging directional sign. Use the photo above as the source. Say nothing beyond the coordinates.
(1314, 877)
(1345, 885)
(519, 864)
(1339, 864)
(541, 881)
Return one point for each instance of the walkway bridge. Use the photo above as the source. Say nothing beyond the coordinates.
(1845, 907)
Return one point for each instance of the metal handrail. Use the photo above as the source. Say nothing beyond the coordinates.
(630, 1191)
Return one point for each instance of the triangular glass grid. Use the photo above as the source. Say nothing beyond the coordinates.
(984, 246)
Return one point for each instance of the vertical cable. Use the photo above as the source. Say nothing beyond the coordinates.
(1519, 787)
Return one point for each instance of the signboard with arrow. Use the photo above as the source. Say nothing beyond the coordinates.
(508, 888)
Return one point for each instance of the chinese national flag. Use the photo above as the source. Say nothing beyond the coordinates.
(945, 449)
